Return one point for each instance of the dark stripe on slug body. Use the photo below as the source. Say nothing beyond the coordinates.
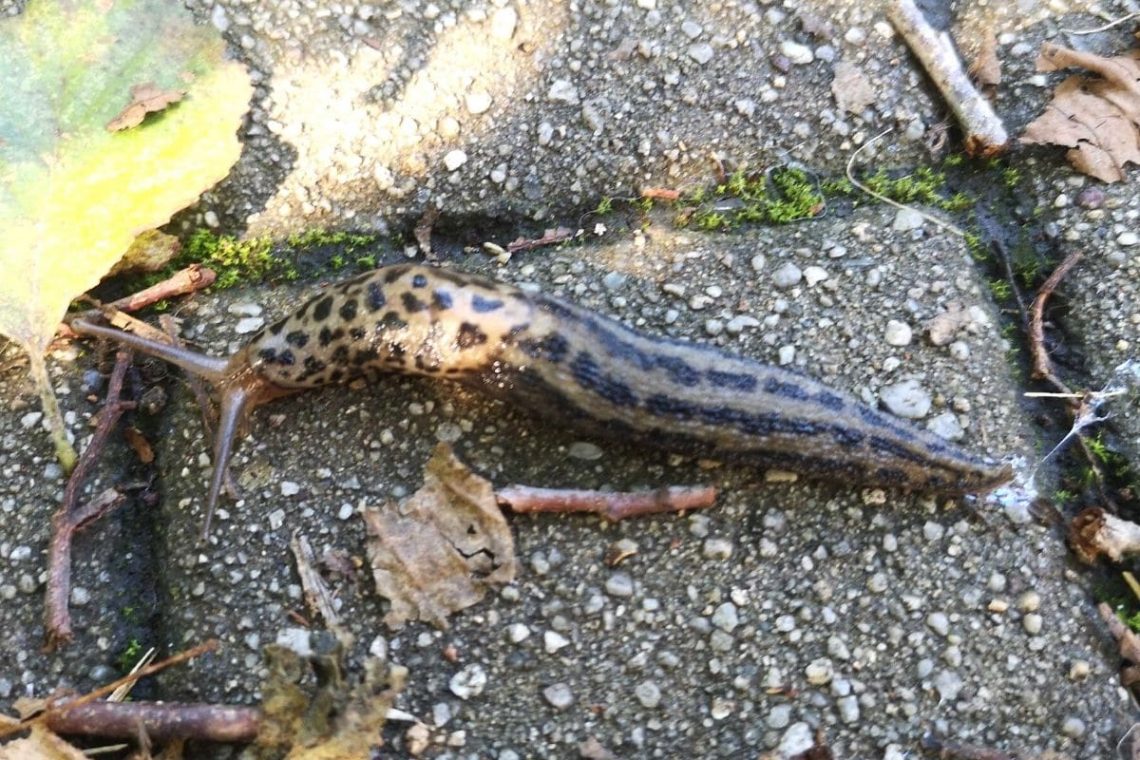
(277, 327)
(470, 335)
(412, 304)
(481, 305)
(552, 348)
(347, 310)
(589, 375)
(339, 355)
(784, 389)
(679, 370)
(441, 299)
(297, 338)
(323, 308)
(735, 380)
(375, 299)
(391, 274)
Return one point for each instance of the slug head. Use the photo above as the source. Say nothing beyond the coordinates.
(240, 388)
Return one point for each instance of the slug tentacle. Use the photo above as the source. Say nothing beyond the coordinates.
(553, 357)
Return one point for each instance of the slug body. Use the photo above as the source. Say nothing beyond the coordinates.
(555, 358)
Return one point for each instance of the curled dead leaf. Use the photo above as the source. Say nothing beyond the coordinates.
(442, 548)
(1098, 119)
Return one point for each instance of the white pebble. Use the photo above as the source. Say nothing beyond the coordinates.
(717, 548)
(797, 740)
(897, 333)
(1032, 623)
(796, 53)
(786, 355)
(468, 682)
(517, 633)
(563, 91)
(249, 325)
(289, 488)
(477, 102)
(558, 695)
(787, 275)
(552, 641)
(454, 159)
(701, 52)
(906, 399)
(907, 219)
(648, 694)
(814, 275)
(1127, 239)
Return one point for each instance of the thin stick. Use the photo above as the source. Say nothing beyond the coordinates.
(985, 134)
(1042, 364)
(1104, 28)
(189, 280)
(159, 721)
(884, 199)
(317, 594)
(549, 237)
(612, 505)
(70, 517)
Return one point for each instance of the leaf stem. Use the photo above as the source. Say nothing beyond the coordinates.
(63, 449)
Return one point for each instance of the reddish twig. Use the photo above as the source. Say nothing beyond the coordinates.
(660, 193)
(612, 505)
(189, 280)
(549, 237)
(159, 721)
(1042, 365)
(70, 517)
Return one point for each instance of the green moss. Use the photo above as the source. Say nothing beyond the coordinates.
(349, 241)
(130, 655)
(605, 206)
(1011, 176)
(233, 260)
(365, 263)
(779, 196)
(1001, 289)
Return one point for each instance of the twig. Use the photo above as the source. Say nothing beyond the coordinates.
(160, 721)
(612, 505)
(70, 517)
(660, 193)
(884, 199)
(189, 280)
(1104, 28)
(102, 691)
(985, 134)
(423, 230)
(549, 237)
(317, 594)
(1042, 365)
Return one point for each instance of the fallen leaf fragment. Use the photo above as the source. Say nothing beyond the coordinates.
(1098, 119)
(40, 744)
(851, 88)
(145, 98)
(986, 68)
(151, 251)
(1094, 533)
(441, 549)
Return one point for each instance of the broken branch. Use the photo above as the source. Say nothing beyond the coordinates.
(1042, 364)
(612, 505)
(159, 721)
(189, 280)
(985, 134)
(70, 517)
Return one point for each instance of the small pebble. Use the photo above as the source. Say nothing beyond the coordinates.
(848, 708)
(1030, 601)
(289, 488)
(1032, 623)
(648, 694)
(787, 275)
(563, 91)
(517, 633)
(948, 684)
(938, 623)
(1072, 727)
(819, 672)
(701, 52)
(585, 451)
(1127, 239)
(796, 53)
(552, 641)
(468, 682)
(1090, 198)
(725, 617)
(906, 399)
(619, 584)
(779, 716)
(814, 275)
(454, 159)
(717, 548)
(558, 695)
(477, 102)
(797, 740)
(897, 333)
(1079, 670)
(946, 425)
(907, 219)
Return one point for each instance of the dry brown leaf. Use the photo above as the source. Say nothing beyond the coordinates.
(439, 551)
(1098, 119)
(40, 744)
(986, 68)
(145, 98)
(851, 89)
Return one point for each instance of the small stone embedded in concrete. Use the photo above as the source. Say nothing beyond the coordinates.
(796, 53)
(939, 623)
(907, 219)
(814, 275)
(787, 275)
(468, 682)
(848, 708)
(779, 716)
(946, 425)
(797, 740)
(477, 102)
(948, 684)
(725, 617)
(1032, 623)
(897, 333)
(552, 641)
(517, 633)
(558, 695)
(819, 672)
(248, 325)
(619, 584)
(701, 52)
(1073, 727)
(563, 91)
(717, 548)
(454, 159)
(1127, 239)
(906, 399)
(648, 694)
(289, 488)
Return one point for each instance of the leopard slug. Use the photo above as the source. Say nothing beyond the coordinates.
(558, 359)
